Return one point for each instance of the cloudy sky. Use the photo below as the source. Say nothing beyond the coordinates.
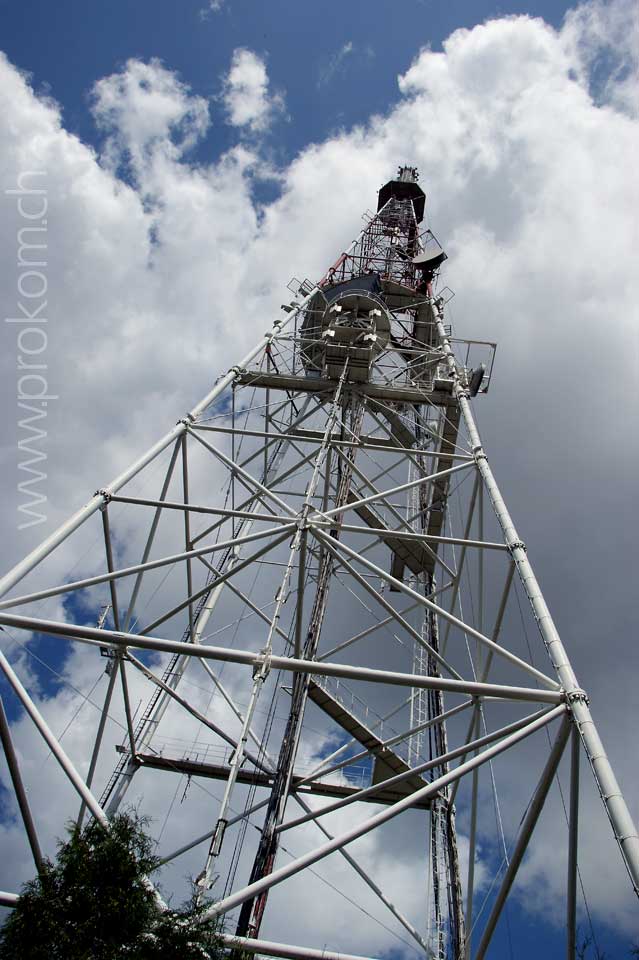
(196, 156)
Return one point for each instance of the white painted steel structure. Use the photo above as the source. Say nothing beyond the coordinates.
(322, 510)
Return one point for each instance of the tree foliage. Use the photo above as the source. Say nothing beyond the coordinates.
(94, 903)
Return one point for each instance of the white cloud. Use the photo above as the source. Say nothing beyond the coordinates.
(213, 6)
(246, 95)
(160, 284)
(146, 110)
(603, 41)
(335, 63)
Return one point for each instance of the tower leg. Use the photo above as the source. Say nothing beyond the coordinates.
(573, 830)
(18, 786)
(624, 829)
(525, 833)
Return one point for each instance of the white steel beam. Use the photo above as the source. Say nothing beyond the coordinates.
(260, 675)
(328, 544)
(66, 529)
(141, 567)
(253, 499)
(424, 767)
(472, 838)
(203, 881)
(467, 741)
(111, 638)
(52, 742)
(573, 833)
(624, 829)
(317, 771)
(233, 566)
(238, 713)
(378, 748)
(368, 880)
(247, 478)
(192, 710)
(498, 620)
(308, 436)
(151, 535)
(187, 531)
(464, 627)
(306, 860)
(127, 704)
(285, 950)
(198, 508)
(244, 598)
(462, 556)
(213, 585)
(353, 505)
(18, 786)
(383, 495)
(525, 832)
(365, 633)
(386, 533)
(98, 737)
(119, 663)
(207, 836)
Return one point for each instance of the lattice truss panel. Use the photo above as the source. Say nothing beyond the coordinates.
(333, 630)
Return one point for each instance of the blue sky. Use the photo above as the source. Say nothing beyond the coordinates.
(333, 66)
(68, 46)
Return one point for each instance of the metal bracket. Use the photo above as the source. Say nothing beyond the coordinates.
(578, 696)
(264, 668)
(478, 453)
(517, 545)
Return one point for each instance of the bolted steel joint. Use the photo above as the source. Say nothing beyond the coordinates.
(263, 669)
(188, 419)
(516, 545)
(578, 696)
(106, 496)
(237, 370)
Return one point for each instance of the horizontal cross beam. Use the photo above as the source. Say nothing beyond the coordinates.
(118, 640)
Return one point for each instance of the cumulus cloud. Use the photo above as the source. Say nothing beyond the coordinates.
(160, 280)
(145, 109)
(603, 42)
(246, 96)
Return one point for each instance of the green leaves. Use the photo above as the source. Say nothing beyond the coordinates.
(94, 904)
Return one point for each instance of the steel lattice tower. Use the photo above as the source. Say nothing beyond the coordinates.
(330, 501)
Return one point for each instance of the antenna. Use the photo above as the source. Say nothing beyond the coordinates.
(335, 628)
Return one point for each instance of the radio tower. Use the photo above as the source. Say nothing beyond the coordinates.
(327, 533)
